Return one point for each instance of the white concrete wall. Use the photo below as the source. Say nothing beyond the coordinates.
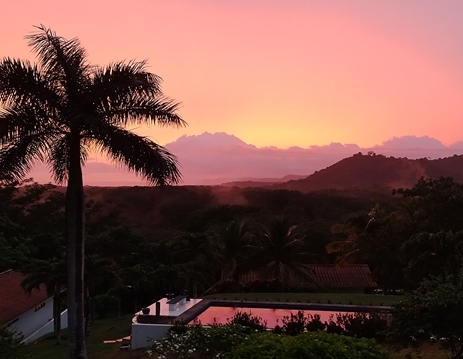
(143, 335)
(32, 320)
(47, 328)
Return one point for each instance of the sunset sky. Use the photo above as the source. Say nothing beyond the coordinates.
(277, 72)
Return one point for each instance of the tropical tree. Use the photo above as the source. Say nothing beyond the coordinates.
(137, 278)
(52, 275)
(431, 312)
(279, 253)
(351, 231)
(428, 255)
(61, 109)
(235, 239)
(195, 256)
(99, 271)
(437, 204)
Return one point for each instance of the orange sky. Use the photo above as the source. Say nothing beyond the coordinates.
(277, 72)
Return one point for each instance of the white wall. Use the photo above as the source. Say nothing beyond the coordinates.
(47, 328)
(32, 320)
(143, 335)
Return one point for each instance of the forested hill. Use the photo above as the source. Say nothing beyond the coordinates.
(377, 172)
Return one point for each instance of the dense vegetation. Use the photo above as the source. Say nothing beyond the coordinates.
(246, 336)
(193, 235)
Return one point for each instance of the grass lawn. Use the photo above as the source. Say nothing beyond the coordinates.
(104, 329)
(333, 298)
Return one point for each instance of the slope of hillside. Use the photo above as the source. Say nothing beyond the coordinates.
(377, 172)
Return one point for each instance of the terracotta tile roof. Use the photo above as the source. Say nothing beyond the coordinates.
(14, 301)
(324, 276)
(350, 276)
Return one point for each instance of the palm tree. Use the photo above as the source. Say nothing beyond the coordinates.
(234, 251)
(59, 110)
(352, 230)
(280, 251)
(51, 274)
(235, 239)
(357, 229)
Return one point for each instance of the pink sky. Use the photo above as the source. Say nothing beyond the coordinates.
(281, 72)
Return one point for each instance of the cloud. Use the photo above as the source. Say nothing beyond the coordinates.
(208, 159)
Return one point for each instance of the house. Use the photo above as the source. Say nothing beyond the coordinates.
(28, 315)
(353, 278)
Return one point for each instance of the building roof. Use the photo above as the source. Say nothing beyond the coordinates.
(318, 276)
(349, 276)
(14, 301)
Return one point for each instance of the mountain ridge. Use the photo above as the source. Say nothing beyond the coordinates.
(376, 172)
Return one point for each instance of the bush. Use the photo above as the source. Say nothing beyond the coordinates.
(294, 324)
(11, 345)
(314, 323)
(197, 342)
(248, 320)
(359, 325)
(313, 345)
(363, 325)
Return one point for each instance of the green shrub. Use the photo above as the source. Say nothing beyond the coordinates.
(197, 342)
(333, 327)
(294, 324)
(11, 345)
(245, 319)
(364, 325)
(313, 345)
(314, 323)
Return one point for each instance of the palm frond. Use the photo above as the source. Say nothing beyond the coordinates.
(25, 122)
(17, 158)
(64, 58)
(139, 154)
(22, 83)
(44, 273)
(348, 258)
(142, 110)
(340, 246)
(124, 80)
(59, 159)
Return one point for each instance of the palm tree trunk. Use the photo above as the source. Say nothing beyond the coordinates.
(75, 221)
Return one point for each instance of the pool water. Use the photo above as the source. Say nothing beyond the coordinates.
(273, 317)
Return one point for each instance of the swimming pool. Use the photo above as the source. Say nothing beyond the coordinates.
(272, 316)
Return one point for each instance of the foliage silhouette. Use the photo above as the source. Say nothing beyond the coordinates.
(59, 110)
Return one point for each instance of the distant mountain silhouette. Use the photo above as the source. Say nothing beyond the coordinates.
(220, 158)
(261, 182)
(377, 173)
(217, 158)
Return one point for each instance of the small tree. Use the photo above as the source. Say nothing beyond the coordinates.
(11, 345)
(431, 311)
